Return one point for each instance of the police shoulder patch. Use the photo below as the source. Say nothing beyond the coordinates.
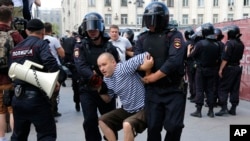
(177, 42)
(76, 52)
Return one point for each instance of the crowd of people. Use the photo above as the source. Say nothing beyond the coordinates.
(146, 76)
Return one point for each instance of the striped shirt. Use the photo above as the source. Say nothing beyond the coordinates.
(126, 83)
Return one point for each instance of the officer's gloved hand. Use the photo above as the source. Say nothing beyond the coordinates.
(95, 82)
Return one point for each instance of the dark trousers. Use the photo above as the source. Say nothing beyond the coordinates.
(166, 110)
(191, 80)
(205, 79)
(35, 110)
(230, 84)
(92, 103)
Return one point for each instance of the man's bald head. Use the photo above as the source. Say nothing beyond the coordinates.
(107, 56)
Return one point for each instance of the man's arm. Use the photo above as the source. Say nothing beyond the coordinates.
(222, 66)
(60, 52)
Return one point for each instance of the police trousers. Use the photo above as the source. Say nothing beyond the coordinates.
(91, 103)
(32, 107)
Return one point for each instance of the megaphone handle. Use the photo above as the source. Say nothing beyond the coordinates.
(37, 81)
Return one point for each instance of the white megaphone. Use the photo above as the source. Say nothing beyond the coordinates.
(44, 81)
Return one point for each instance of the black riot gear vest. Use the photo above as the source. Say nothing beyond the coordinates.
(92, 53)
(155, 44)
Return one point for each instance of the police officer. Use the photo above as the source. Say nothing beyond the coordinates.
(129, 34)
(219, 36)
(190, 64)
(85, 58)
(165, 98)
(68, 60)
(207, 54)
(30, 103)
(230, 71)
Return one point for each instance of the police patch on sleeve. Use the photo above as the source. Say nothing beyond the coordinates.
(76, 52)
(177, 43)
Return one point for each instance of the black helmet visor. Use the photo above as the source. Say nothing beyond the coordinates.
(93, 25)
(154, 20)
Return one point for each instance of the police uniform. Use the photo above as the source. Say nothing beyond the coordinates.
(207, 55)
(85, 57)
(68, 45)
(165, 100)
(230, 81)
(165, 96)
(30, 103)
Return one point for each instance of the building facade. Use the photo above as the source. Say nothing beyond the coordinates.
(128, 13)
(54, 16)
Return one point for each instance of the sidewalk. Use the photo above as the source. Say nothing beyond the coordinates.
(69, 125)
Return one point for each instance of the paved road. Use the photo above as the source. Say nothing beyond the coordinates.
(69, 125)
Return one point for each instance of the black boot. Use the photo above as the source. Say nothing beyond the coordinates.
(197, 113)
(222, 112)
(210, 112)
(232, 111)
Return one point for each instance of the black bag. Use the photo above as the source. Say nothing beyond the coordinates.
(7, 97)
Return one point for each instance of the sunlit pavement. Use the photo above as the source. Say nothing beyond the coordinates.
(69, 125)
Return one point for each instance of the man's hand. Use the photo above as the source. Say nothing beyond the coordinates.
(147, 64)
(153, 77)
(105, 97)
(57, 87)
(95, 83)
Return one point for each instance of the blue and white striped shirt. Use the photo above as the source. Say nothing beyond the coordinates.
(126, 83)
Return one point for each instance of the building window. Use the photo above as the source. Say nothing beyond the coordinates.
(139, 20)
(185, 19)
(216, 3)
(200, 3)
(185, 3)
(107, 3)
(91, 3)
(230, 17)
(108, 19)
(200, 19)
(170, 3)
(215, 18)
(230, 2)
(124, 19)
(246, 2)
(245, 15)
(139, 3)
(124, 3)
(171, 17)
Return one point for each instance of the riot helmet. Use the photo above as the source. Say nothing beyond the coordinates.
(156, 14)
(233, 32)
(93, 21)
(188, 33)
(219, 34)
(129, 34)
(207, 30)
(197, 36)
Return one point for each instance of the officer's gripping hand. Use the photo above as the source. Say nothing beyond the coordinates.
(95, 82)
(105, 97)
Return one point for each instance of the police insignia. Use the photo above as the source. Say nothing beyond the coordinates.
(177, 43)
(76, 52)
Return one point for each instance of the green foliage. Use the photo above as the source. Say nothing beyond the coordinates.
(55, 29)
